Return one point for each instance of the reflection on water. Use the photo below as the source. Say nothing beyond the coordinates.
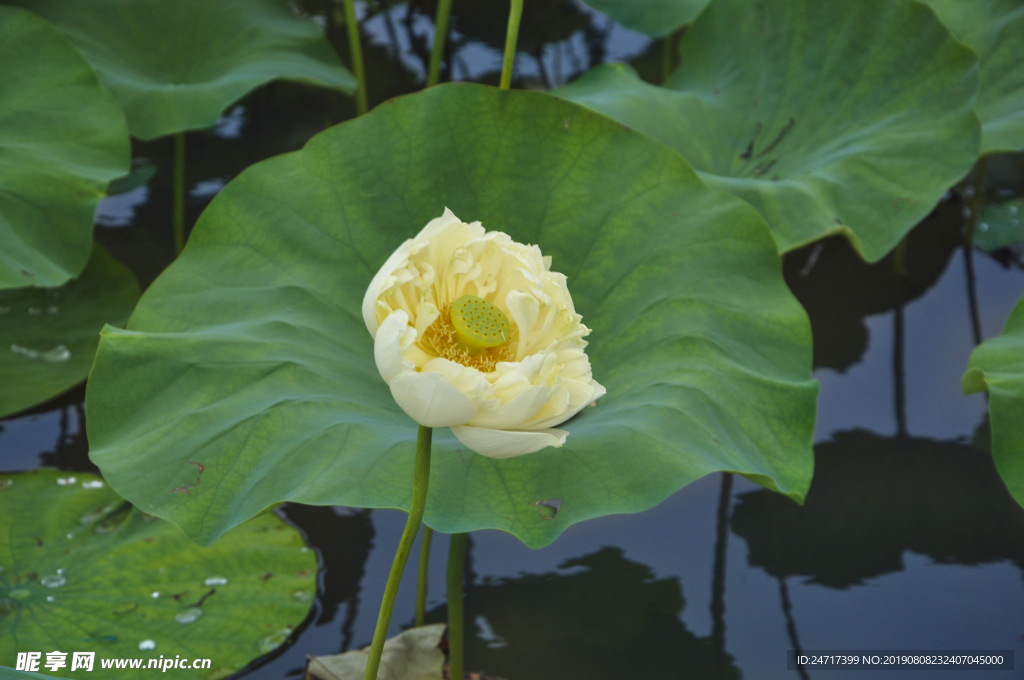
(343, 539)
(873, 499)
(599, 616)
(838, 289)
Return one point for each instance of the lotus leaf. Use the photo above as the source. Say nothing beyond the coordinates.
(997, 365)
(849, 117)
(250, 355)
(84, 571)
(48, 336)
(1000, 225)
(62, 139)
(11, 674)
(995, 30)
(176, 66)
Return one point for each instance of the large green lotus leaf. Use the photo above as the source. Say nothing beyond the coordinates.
(997, 365)
(995, 29)
(656, 18)
(62, 139)
(875, 498)
(177, 65)
(250, 356)
(48, 336)
(83, 571)
(849, 117)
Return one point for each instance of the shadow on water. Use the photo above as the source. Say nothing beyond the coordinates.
(343, 539)
(873, 499)
(838, 289)
(598, 616)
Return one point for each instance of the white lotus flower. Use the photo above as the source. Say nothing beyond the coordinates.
(473, 331)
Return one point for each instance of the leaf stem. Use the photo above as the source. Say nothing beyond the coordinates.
(421, 576)
(511, 38)
(972, 296)
(444, 9)
(979, 188)
(356, 49)
(412, 527)
(456, 636)
(179, 193)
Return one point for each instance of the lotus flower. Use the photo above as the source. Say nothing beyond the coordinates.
(473, 331)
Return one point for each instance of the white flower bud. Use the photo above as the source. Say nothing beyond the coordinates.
(473, 331)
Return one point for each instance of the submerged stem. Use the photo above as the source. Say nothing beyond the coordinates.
(421, 576)
(356, 48)
(412, 527)
(456, 635)
(444, 9)
(718, 577)
(899, 375)
(511, 39)
(179, 192)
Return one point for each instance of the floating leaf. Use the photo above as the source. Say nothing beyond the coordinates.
(656, 18)
(250, 352)
(11, 674)
(849, 117)
(411, 655)
(84, 571)
(48, 336)
(997, 365)
(995, 30)
(62, 139)
(1000, 225)
(609, 618)
(874, 498)
(176, 66)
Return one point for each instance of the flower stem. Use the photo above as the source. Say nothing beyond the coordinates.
(444, 9)
(412, 527)
(456, 638)
(356, 48)
(421, 576)
(511, 38)
(179, 192)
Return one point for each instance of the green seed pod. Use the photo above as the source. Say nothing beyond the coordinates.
(479, 324)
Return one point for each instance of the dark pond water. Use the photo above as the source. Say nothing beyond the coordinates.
(908, 539)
